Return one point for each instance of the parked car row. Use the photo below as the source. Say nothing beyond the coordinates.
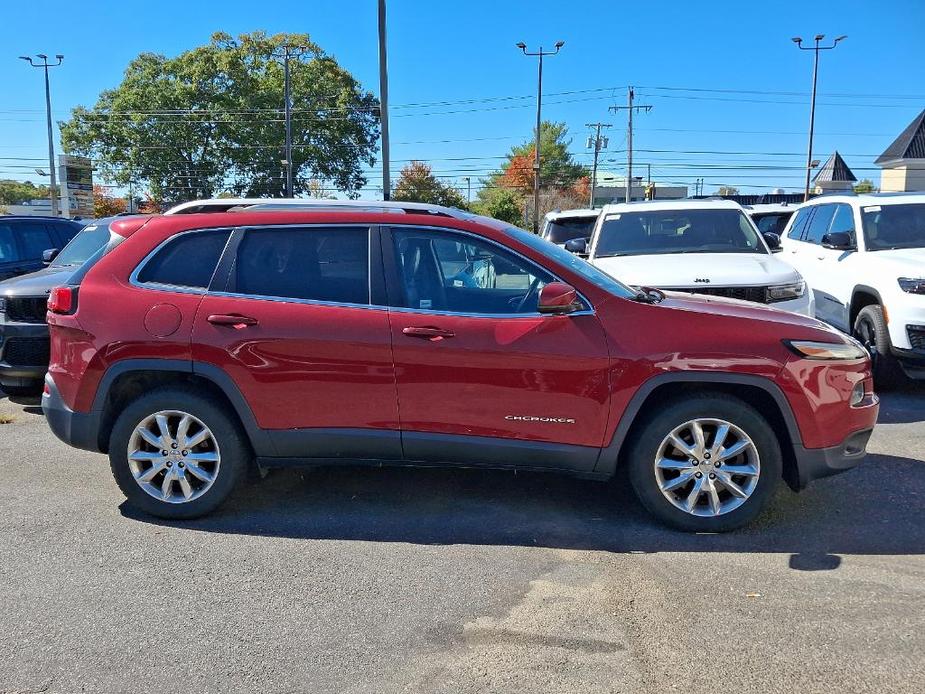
(191, 346)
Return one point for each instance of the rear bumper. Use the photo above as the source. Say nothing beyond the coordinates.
(77, 429)
(815, 463)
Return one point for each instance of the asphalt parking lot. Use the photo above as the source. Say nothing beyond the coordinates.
(391, 580)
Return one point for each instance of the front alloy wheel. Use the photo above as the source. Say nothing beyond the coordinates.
(707, 467)
(705, 462)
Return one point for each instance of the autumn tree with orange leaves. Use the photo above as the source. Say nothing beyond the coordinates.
(506, 193)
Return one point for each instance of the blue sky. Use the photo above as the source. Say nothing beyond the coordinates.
(723, 77)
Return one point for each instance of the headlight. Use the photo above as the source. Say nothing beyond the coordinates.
(785, 292)
(912, 285)
(827, 350)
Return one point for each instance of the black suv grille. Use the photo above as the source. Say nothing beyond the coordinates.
(26, 351)
(916, 336)
(26, 310)
(756, 294)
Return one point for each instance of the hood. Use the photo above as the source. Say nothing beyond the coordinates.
(734, 308)
(684, 269)
(37, 283)
(904, 262)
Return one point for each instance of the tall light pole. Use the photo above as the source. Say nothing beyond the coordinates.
(812, 109)
(597, 143)
(539, 108)
(288, 51)
(51, 143)
(384, 103)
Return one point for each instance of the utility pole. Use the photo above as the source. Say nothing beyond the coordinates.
(597, 143)
(51, 142)
(629, 108)
(539, 107)
(468, 189)
(288, 51)
(812, 109)
(384, 103)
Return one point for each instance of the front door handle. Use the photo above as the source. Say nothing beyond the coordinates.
(232, 320)
(428, 333)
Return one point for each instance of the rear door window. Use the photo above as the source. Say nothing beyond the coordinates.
(9, 251)
(819, 225)
(308, 263)
(799, 223)
(34, 239)
(188, 260)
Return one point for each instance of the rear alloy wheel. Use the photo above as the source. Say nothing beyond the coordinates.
(708, 463)
(176, 453)
(871, 330)
(174, 457)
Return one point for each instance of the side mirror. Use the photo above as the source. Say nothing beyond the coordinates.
(773, 241)
(838, 240)
(558, 298)
(49, 255)
(577, 246)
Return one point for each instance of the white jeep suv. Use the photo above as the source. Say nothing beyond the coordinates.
(696, 246)
(864, 256)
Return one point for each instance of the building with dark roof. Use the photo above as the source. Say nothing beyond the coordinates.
(834, 175)
(903, 162)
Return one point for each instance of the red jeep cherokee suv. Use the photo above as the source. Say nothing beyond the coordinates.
(195, 345)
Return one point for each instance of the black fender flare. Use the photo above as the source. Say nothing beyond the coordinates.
(259, 438)
(607, 461)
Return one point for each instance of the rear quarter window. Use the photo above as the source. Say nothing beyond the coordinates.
(188, 260)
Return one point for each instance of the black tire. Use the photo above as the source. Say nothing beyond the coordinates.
(234, 449)
(647, 440)
(871, 330)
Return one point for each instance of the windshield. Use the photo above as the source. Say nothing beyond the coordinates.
(87, 242)
(658, 232)
(564, 229)
(572, 262)
(893, 226)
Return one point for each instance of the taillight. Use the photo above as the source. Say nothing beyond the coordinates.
(63, 300)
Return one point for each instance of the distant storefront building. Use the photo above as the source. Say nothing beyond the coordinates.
(612, 188)
(903, 162)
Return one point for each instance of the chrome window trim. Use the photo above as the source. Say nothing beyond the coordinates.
(451, 230)
(156, 286)
(177, 289)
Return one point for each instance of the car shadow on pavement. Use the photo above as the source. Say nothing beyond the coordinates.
(874, 509)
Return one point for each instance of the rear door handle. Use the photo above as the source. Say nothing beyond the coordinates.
(428, 333)
(232, 320)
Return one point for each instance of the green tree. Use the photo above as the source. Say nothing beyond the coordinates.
(501, 203)
(557, 168)
(417, 183)
(211, 119)
(865, 185)
(727, 190)
(17, 192)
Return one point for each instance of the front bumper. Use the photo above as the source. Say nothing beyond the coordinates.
(77, 429)
(23, 353)
(815, 463)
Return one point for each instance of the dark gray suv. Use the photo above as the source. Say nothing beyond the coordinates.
(23, 334)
